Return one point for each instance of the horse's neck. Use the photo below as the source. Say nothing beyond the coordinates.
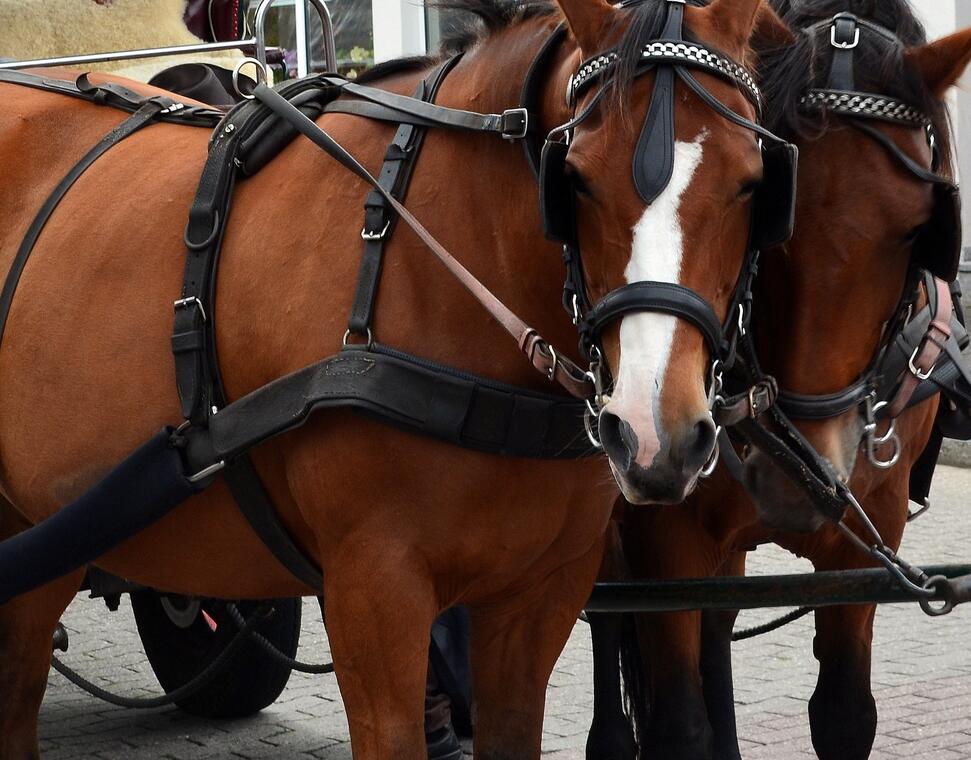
(476, 193)
(490, 180)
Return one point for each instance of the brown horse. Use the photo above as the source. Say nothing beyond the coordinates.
(403, 527)
(822, 306)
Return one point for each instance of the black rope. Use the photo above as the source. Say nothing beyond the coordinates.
(772, 625)
(267, 646)
(186, 690)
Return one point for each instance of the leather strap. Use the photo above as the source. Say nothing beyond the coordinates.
(799, 406)
(407, 392)
(193, 310)
(844, 37)
(382, 105)
(531, 97)
(654, 154)
(925, 358)
(115, 95)
(145, 114)
(379, 222)
(257, 507)
(664, 297)
(750, 404)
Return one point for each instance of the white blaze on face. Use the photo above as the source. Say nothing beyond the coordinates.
(645, 337)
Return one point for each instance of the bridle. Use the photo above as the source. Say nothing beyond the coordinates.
(885, 389)
(671, 57)
(913, 341)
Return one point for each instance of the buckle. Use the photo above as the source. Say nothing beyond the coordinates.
(753, 400)
(372, 236)
(184, 303)
(841, 44)
(515, 124)
(551, 374)
(915, 370)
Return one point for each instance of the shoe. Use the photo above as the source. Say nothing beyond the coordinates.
(443, 744)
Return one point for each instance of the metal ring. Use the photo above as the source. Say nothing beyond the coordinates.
(588, 417)
(884, 464)
(942, 585)
(260, 69)
(347, 334)
(879, 440)
(712, 463)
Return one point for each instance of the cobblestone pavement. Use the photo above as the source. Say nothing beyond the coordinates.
(921, 680)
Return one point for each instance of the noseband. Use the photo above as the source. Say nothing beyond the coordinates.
(672, 58)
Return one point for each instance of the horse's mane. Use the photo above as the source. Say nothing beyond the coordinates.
(788, 73)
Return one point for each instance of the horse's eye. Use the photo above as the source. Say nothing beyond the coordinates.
(577, 180)
(912, 236)
(748, 189)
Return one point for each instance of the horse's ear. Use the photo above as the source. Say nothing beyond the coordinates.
(731, 23)
(942, 63)
(771, 32)
(587, 20)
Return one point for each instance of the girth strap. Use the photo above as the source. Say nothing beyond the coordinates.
(148, 111)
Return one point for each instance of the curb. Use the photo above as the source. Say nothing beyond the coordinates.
(956, 453)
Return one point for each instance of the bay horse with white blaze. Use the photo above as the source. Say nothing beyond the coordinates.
(862, 94)
(402, 527)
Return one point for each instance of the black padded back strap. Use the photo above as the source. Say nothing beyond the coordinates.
(144, 115)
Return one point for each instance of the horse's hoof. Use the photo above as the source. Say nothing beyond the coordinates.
(443, 744)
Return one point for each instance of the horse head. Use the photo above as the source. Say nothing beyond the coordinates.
(663, 196)
(862, 96)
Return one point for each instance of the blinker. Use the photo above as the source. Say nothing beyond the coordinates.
(556, 193)
(774, 205)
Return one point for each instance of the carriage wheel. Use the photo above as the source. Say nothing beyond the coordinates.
(182, 636)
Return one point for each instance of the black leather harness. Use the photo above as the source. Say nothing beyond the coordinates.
(396, 388)
(936, 250)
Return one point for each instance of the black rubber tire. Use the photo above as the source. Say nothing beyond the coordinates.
(250, 680)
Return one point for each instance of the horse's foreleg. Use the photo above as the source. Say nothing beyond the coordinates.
(611, 736)
(27, 625)
(380, 604)
(716, 670)
(842, 712)
(515, 644)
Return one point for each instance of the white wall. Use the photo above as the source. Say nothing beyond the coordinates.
(399, 28)
(943, 17)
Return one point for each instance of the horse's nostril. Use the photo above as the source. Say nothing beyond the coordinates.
(698, 445)
(619, 440)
